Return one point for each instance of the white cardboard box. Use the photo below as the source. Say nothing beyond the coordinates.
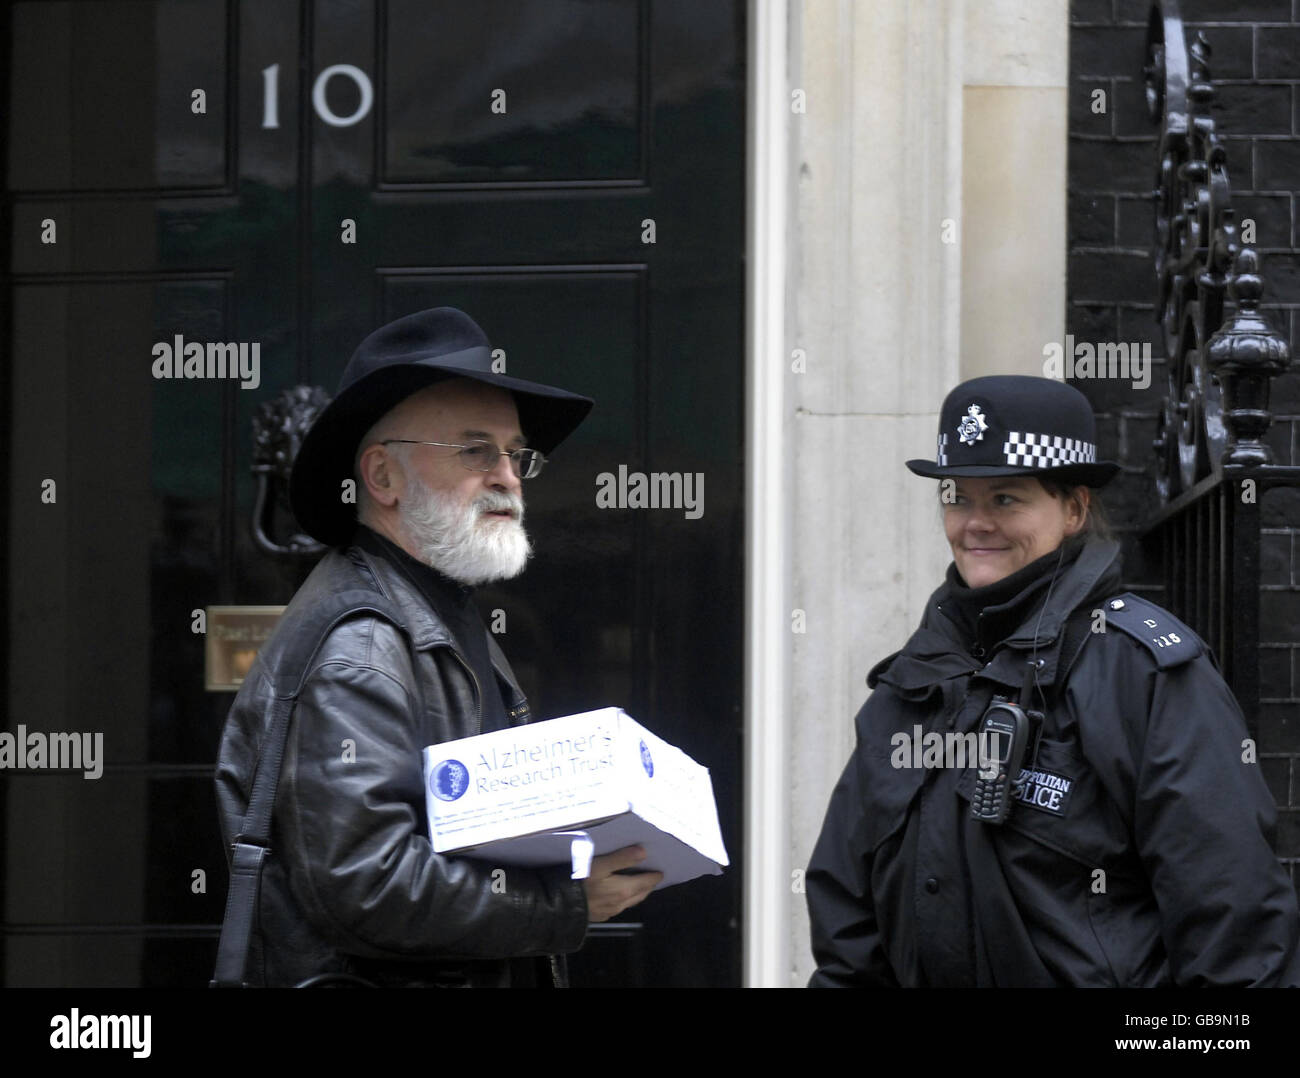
(521, 796)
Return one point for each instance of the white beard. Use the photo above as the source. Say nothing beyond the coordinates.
(459, 540)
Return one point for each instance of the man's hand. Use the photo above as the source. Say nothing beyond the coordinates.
(608, 893)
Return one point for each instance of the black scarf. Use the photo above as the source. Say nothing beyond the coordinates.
(988, 614)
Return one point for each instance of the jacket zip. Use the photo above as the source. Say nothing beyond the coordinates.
(512, 712)
(478, 691)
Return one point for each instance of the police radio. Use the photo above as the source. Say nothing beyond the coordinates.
(1004, 735)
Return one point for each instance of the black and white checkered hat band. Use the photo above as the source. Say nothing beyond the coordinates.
(1046, 450)
(1026, 450)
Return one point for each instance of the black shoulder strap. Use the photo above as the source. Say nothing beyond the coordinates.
(251, 845)
(1078, 630)
(1169, 641)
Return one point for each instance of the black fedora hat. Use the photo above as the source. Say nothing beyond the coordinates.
(395, 361)
(1014, 424)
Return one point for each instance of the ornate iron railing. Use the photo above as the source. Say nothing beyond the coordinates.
(1213, 468)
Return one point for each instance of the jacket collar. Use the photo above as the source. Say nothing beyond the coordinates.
(1097, 565)
(935, 651)
(427, 629)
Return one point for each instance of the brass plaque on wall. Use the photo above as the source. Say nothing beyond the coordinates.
(235, 633)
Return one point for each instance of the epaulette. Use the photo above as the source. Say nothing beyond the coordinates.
(1168, 639)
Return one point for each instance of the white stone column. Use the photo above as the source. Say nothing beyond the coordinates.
(876, 310)
(1015, 135)
(916, 258)
(767, 653)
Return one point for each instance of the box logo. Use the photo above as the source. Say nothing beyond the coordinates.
(449, 780)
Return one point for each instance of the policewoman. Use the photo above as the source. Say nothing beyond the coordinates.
(1105, 825)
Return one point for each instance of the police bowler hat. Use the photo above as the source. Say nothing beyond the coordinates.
(1013, 424)
(395, 361)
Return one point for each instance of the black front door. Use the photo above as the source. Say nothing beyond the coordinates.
(290, 175)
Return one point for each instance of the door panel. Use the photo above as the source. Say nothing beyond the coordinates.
(230, 226)
(568, 83)
(98, 120)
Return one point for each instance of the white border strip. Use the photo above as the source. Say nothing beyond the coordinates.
(767, 644)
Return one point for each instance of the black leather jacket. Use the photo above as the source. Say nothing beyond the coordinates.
(352, 884)
(1146, 860)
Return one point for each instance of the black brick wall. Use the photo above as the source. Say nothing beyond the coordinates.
(1255, 66)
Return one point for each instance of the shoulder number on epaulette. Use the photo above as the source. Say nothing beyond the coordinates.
(1167, 638)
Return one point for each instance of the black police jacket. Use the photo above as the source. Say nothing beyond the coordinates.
(1141, 853)
(352, 884)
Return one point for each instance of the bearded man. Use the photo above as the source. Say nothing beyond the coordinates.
(436, 445)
